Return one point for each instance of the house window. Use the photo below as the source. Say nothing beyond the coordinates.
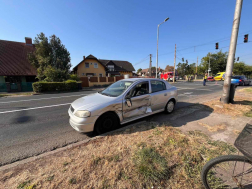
(111, 68)
(83, 74)
(95, 65)
(100, 75)
(94, 74)
(86, 65)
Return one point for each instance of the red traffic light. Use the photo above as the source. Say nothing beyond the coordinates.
(246, 38)
(216, 45)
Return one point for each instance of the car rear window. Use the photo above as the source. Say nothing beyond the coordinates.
(157, 86)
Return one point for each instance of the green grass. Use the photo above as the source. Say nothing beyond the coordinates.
(150, 164)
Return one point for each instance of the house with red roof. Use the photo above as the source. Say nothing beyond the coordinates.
(16, 73)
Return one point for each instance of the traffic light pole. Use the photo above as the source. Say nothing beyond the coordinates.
(231, 54)
(174, 65)
(209, 65)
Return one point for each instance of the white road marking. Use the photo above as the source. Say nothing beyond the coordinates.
(11, 111)
(41, 99)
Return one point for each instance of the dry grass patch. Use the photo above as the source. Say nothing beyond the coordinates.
(241, 107)
(144, 156)
(246, 90)
(16, 94)
(214, 128)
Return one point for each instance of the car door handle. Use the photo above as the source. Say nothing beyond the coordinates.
(165, 94)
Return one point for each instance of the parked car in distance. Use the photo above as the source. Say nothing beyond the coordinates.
(122, 102)
(211, 78)
(242, 80)
(219, 76)
(235, 80)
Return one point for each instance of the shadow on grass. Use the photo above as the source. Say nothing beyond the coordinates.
(184, 113)
(244, 102)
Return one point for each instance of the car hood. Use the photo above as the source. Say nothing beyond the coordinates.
(91, 100)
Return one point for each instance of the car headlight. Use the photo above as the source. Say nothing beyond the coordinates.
(82, 113)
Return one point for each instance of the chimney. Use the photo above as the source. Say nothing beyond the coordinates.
(28, 41)
(84, 57)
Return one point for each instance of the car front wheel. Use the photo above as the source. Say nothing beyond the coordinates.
(170, 107)
(107, 122)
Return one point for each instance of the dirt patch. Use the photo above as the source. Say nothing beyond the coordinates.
(214, 128)
(241, 107)
(145, 156)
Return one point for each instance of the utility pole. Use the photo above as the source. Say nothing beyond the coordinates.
(209, 64)
(231, 53)
(174, 65)
(196, 68)
(150, 65)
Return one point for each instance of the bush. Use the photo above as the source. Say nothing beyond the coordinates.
(74, 77)
(68, 85)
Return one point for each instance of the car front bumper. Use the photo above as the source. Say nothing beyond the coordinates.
(83, 125)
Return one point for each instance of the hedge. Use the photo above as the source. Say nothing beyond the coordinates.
(68, 85)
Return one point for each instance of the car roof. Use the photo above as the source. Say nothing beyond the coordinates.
(139, 79)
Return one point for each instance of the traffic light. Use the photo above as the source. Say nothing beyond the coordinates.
(187, 61)
(238, 58)
(216, 45)
(246, 38)
(183, 59)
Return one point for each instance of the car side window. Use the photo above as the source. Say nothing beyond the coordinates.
(157, 86)
(138, 90)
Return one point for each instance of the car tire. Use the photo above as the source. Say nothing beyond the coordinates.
(243, 84)
(107, 122)
(170, 106)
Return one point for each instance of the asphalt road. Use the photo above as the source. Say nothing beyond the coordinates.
(35, 124)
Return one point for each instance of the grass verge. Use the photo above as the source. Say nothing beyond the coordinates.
(144, 156)
(241, 107)
(16, 94)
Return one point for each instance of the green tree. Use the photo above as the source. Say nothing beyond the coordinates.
(181, 69)
(50, 58)
(139, 70)
(239, 68)
(218, 62)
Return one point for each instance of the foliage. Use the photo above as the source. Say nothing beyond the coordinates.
(68, 85)
(218, 63)
(169, 68)
(240, 68)
(53, 74)
(50, 57)
(186, 69)
(139, 70)
(74, 77)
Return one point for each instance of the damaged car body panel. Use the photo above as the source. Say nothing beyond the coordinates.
(125, 100)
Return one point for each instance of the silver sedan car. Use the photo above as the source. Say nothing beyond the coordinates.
(123, 101)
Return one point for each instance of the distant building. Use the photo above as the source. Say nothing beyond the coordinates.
(145, 72)
(91, 66)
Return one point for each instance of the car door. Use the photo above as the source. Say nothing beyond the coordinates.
(139, 96)
(159, 95)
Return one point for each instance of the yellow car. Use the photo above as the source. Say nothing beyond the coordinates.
(219, 76)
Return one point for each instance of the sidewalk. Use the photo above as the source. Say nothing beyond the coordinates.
(176, 147)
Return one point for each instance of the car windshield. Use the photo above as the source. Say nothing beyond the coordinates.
(116, 89)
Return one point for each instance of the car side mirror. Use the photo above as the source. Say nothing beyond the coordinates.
(128, 102)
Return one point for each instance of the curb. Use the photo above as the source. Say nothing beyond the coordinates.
(30, 159)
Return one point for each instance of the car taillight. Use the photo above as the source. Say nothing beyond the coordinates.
(240, 80)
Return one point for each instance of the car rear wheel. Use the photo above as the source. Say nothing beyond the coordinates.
(107, 122)
(169, 107)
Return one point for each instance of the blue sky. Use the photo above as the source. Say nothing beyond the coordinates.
(127, 30)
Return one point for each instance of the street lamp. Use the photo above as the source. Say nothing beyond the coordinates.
(157, 43)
